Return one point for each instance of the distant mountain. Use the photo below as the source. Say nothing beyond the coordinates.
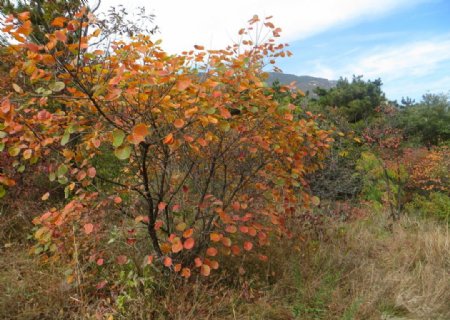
(304, 83)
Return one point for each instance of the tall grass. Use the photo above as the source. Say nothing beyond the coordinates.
(365, 269)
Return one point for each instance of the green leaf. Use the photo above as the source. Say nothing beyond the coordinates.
(52, 176)
(123, 152)
(2, 191)
(13, 151)
(118, 136)
(224, 126)
(62, 170)
(63, 180)
(210, 110)
(2, 134)
(57, 86)
(2, 146)
(21, 169)
(65, 138)
(279, 182)
(66, 192)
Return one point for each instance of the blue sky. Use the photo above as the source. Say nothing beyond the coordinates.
(408, 48)
(406, 43)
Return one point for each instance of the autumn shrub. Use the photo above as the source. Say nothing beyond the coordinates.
(206, 162)
(428, 169)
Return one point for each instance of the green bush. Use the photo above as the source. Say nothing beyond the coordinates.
(436, 205)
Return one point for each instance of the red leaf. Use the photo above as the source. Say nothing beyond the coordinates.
(100, 262)
(248, 245)
(162, 206)
(211, 251)
(121, 260)
(149, 260)
(189, 243)
(91, 172)
(88, 228)
(198, 262)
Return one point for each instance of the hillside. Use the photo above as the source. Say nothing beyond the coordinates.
(304, 83)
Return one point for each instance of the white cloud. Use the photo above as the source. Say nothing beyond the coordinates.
(405, 69)
(413, 59)
(214, 24)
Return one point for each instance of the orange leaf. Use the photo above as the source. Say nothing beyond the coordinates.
(177, 267)
(205, 270)
(169, 139)
(189, 243)
(162, 206)
(190, 112)
(214, 264)
(117, 200)
(149, 260)
(230, 229)
(115, 80)
(45, 196)
(81, 175)
(88, 228)
(199, 47)
(24, 16)
(177, 246)
(235, 250)
(226, 242)
(141, 130)
(167, 262)
(100, 262)
(211, 251)
(58, 22)
(215, 237)
(225, 113)
(188, 233)
(182, 84)
(186, 273)
(179, 123)
(61, 36)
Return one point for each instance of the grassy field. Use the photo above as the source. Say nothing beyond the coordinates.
(368, 268)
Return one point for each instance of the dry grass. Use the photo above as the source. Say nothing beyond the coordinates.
(365, 269)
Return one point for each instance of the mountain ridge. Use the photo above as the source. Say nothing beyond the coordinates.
(304, 83)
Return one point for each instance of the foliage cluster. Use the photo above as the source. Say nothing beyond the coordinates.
(201, 180)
